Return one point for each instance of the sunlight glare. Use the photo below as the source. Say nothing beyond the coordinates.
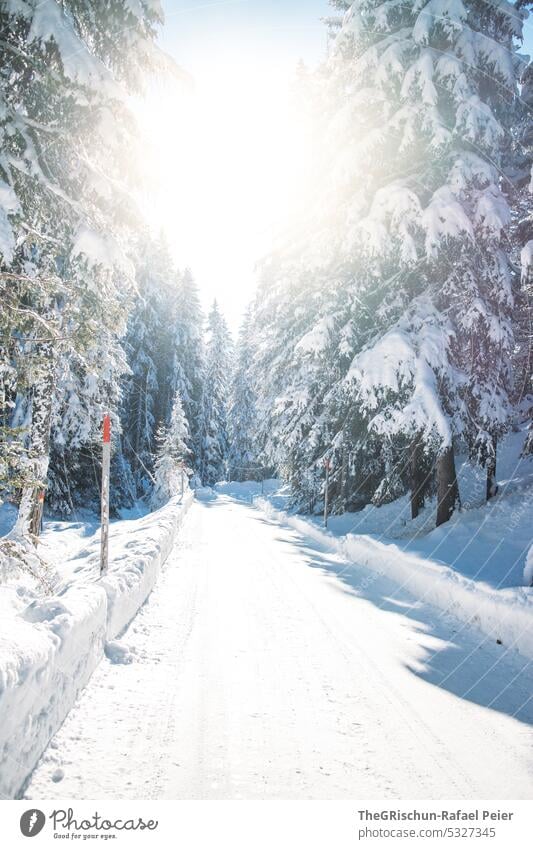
(226, 160)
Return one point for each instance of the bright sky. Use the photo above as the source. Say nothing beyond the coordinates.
(227, 154)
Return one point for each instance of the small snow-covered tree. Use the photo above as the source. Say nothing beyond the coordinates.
(214, 410)
(172, 456)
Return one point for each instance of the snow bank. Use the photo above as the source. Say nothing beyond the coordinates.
(46, 658)
(131, 579)
(505, 615)
(50, 648)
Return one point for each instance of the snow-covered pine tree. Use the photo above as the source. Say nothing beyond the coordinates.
(243, 460)
(215, 397)
(172, 458)
(417, 102)
(187, 369)
(520, 191)
(299, 335)
(148, 345)
(428, 85)
(65, 208)
(86, 387)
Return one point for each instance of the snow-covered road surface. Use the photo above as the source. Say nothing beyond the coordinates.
(264, 667)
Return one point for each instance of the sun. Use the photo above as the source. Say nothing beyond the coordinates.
(226, 159)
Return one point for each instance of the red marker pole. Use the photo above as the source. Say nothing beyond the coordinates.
(106, 464)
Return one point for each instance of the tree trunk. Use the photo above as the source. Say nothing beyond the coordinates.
(344, 474)
(32, 500)
(491, 471)
(417, 477)
(447, 486)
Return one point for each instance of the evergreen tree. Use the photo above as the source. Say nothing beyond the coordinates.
(188, 355)
(520, 189)
(213, 418)
(172, 456)
(243, 461)
(439, 366)
(64, 226)
(148, 345)
(396, 323)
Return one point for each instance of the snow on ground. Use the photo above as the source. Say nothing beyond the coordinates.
(506, 616)
(50, 644)
(473, 567)
(317, 646)
(264, 666)
(487, 542)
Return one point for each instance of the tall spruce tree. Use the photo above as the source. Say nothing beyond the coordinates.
(66, 211)
(434, 83)
(243, 459)
(188, 356)
(415, 305)
(215, 397)
(149, 350)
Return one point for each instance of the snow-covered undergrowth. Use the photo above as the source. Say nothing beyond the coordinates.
(50, 645)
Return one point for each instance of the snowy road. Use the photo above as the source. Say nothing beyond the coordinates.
(264, 668)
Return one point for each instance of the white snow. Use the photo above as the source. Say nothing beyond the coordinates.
(503, 615)
(8, 205)
(528, 569)
(318, 338)
(49, 21)
(265, 666)
(50, 646)
(526, 259)
(100, 250)
(408, 358)
(475, 567)
(445, 218)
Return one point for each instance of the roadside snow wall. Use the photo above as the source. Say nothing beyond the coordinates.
(505, 614)
(49, 651)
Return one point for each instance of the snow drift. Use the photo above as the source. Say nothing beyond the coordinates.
(50, 648)
(505, 614)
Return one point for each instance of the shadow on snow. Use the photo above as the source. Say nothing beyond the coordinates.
(449, 653)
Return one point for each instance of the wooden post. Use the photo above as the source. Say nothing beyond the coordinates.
(326, 493)
(106, 463)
